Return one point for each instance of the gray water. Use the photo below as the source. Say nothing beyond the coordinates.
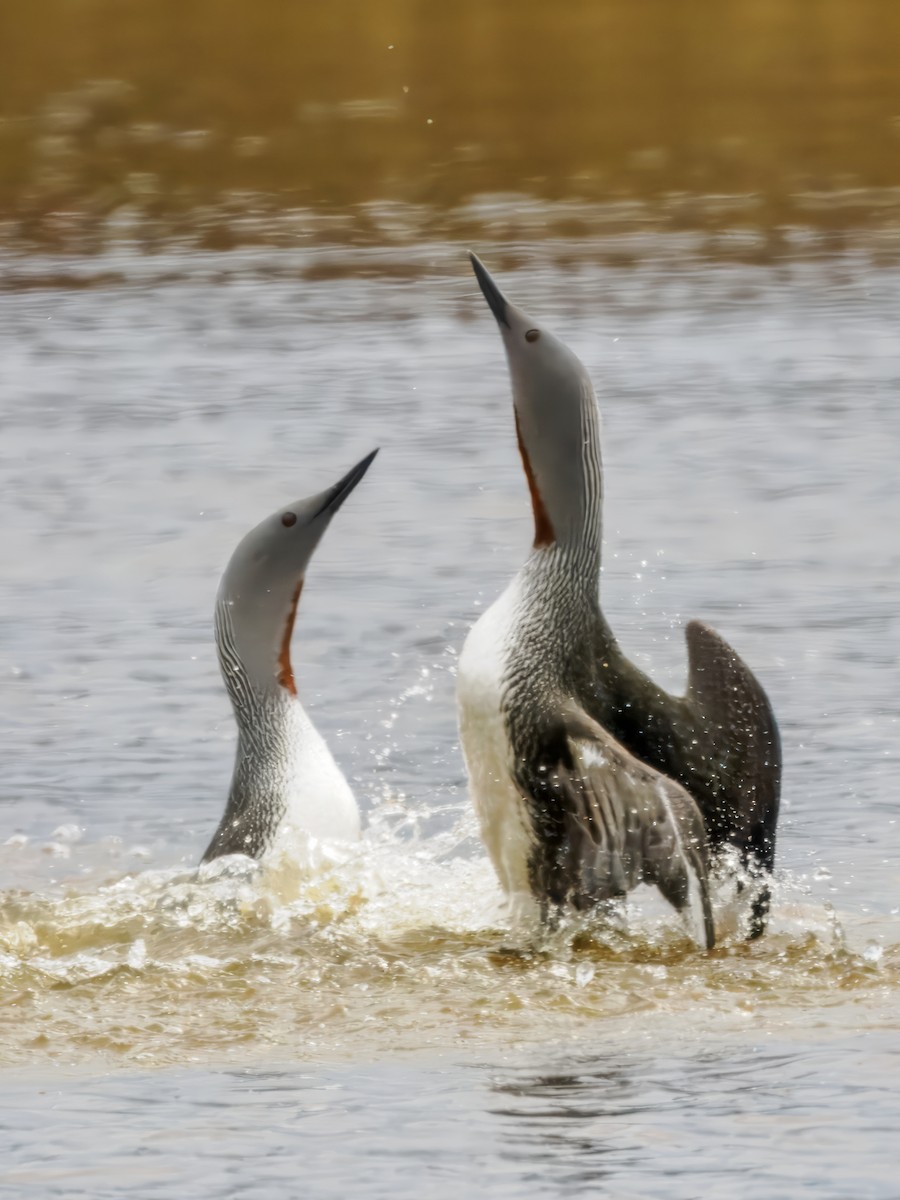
(371, 1024)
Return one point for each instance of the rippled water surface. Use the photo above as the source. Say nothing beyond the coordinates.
(367, 1018)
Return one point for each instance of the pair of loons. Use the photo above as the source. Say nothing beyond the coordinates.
(588, 779)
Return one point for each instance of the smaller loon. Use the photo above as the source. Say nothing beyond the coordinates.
(285, 780)
(588, 778)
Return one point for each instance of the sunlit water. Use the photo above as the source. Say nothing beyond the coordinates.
(140, 121)
(367, 1017)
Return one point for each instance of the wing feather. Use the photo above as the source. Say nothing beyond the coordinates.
(609, 822)
(737, 727)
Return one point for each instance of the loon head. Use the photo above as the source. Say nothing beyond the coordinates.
(557, 423)
(259, 592)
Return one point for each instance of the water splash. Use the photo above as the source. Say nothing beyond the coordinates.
(393, 944)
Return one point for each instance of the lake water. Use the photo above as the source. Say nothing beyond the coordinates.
(369, 1021)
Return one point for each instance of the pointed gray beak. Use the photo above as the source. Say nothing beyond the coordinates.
(336, 496)
(496, 300)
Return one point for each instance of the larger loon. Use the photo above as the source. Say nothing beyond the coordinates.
(285, 781)
(586, 775)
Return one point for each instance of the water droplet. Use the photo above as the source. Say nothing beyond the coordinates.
(137, 954)
(873, 953)
(584, 973)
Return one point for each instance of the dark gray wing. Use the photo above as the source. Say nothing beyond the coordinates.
(606, 822)
(740, 772)
(719, 741)
(739, 736)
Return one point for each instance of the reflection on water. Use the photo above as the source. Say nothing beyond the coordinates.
(149, 121)
(650, 1122)
(726, 1122)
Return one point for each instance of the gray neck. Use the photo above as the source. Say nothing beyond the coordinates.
(560, 647)
(269, 719)
(565, 476)
(250, 684)
(589, 533)
(560, 617)
(558, 623)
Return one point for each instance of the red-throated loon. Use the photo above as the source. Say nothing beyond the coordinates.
(587, 777)
(285, 781)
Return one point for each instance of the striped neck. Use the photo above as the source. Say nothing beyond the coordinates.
(571, 504)
(254, 684)
(564, 472)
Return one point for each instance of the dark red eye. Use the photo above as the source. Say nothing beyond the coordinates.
(532, 335)
(289, 519)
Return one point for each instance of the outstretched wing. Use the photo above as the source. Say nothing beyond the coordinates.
(719, 741)
(738, 734)
(605, 823)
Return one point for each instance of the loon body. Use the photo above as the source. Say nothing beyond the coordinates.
(285, 780)
(570, 818)
(587, 777)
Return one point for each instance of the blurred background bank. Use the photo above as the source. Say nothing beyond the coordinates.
(742, 128)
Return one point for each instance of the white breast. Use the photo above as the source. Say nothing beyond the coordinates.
(318, 799)
(505, 825)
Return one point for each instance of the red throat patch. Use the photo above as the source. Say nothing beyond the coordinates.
(285, 670)
(543, 530)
